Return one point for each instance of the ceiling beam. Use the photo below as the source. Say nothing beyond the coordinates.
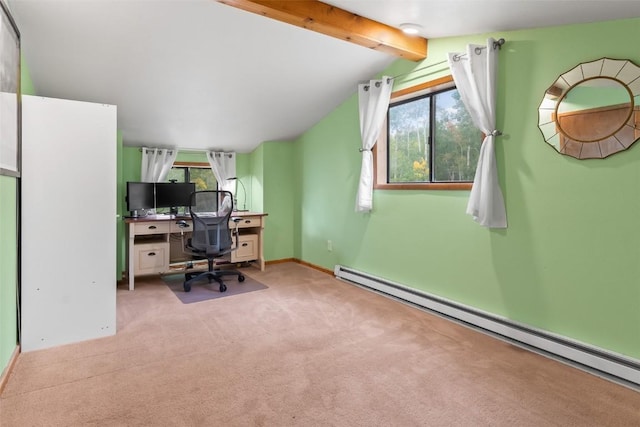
(332, 21)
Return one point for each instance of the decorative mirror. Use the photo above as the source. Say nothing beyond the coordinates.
(592, 111)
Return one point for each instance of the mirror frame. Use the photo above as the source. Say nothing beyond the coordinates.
(622, 71)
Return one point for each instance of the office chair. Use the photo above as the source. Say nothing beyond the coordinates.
(211, 237)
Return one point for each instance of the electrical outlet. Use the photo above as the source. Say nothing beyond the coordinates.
(329, 245)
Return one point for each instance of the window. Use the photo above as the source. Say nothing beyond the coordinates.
(198, 173)
(429, 141)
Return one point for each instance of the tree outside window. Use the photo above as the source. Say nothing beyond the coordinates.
(201, 175)
(430, 141)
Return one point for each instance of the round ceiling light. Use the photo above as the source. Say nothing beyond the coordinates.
(411, 29)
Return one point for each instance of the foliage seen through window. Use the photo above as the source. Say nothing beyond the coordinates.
(431, 138)
(202, 176)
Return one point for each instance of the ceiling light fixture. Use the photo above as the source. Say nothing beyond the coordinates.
(411, 29)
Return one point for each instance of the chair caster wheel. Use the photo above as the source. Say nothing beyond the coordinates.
(241, 278)
(223, 288)
(187, 287)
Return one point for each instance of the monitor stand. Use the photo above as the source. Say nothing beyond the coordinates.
(138, 213)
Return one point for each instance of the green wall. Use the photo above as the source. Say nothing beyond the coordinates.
(568, 263)
(8, 268)
(243, 172)
(128, 170)
(271, 174)
(120, 209)
(9, 251)
(256, 166)
(278, 203)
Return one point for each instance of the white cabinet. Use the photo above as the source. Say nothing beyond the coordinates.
(68, 221)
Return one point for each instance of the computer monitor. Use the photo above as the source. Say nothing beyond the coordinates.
(140, 196)
(173, 194)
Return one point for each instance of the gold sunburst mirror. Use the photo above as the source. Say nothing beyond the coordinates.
(592, 111)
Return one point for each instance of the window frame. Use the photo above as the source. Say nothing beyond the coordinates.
(187, 165)
(380, 154)
(199, 165)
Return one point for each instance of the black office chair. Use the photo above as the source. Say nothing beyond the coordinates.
(211, 237)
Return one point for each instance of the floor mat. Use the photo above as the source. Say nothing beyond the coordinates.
(203, 290)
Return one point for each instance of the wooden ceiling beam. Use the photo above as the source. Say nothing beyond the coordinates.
(335, 22)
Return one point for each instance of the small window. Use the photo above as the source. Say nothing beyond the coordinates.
(429, 141)
(198, 173)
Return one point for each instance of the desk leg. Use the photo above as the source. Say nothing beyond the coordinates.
(131, 257)
(261, 246)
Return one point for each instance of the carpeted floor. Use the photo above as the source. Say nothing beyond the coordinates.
(204, 291)
(308, 351)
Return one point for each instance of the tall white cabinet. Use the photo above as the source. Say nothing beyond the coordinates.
(68, 222)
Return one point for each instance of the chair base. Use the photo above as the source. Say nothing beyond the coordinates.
(211, 275)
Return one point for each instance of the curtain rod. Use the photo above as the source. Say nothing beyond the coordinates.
(420, 69)
(187, 150)
(496, 44)
(157, 148)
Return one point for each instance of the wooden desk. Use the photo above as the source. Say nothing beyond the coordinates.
(155, 247)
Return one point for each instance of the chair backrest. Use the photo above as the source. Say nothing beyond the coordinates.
(210, 211)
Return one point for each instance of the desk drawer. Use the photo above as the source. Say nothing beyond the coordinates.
(151, 258)
(158, 227)
(247, 248)
(253, 221)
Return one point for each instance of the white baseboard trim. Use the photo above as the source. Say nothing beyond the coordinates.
(601, 362)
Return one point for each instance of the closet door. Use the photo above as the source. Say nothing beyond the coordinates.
(68, 222)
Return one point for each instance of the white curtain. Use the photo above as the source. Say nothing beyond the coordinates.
(475, 75)
(373, 102)
(223, 166)
(156, 163)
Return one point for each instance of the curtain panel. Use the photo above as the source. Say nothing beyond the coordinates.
(156, 163)
(373, 103)
(223, 166)
(475, 76)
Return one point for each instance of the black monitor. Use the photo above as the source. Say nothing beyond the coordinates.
(140, 196)
(173, 194)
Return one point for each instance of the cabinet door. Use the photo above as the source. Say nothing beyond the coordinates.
(152, 258)
(247, 248)
(68, 242)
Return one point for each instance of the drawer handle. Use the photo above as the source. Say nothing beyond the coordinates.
(247, 221)
(152, 227)
(245, 244)
(151, 254)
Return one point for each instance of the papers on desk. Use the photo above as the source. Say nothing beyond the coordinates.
(207, 214)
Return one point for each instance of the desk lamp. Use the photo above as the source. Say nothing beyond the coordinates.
(235, 199)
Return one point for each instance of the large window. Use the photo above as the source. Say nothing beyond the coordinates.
(198, 173)
(429, 141)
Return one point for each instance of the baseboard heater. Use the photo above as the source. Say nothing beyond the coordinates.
(606, 364)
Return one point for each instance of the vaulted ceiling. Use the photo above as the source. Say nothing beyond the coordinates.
(202, 74)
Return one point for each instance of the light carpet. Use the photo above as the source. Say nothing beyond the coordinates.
(308, 351)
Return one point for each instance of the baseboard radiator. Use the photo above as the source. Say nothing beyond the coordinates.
(614, 367)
